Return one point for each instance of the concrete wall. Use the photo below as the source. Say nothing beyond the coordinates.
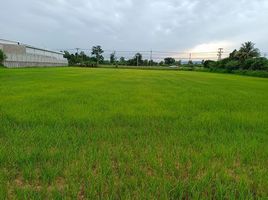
(24, 60)
(15, 64)
(13, 49)
(27, 56)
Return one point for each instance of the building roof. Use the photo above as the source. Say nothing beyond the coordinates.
(4, 41)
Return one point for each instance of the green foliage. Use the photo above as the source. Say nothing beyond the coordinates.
(169, 61)
(247, 58)
(122, 61)
(256, 64)
(97, 51)
(112, 58)
(209, 63)
(247, 51)
(80, 59)
(136, 60)
(2, 57)
(232, 65)
(73, 133)
(178, 63)
(190, 62)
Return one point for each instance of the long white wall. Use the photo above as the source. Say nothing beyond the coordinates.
(22, 60)
(24, 55)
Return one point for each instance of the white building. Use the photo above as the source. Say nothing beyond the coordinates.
(22, 55)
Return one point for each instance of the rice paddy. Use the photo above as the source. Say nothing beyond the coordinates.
(79, 133)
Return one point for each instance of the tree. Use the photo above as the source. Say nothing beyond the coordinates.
(247, 51)
(97, 51)
(122, 61)
(209, 63)
(169, 61)
(233, 55)
(178, 63)
(256, 63)
(112, 58)
(83, 56)
(138, 59)
(2, 57)
(232, 65)
(161, 63)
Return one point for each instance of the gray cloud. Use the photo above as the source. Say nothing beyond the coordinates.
(173, 25)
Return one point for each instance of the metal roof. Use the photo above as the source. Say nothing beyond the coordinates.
(4, 41)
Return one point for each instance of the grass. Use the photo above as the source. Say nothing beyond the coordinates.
(76, 133)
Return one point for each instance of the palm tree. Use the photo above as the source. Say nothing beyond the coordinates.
(248, 50)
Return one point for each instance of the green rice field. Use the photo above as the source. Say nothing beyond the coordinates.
(94, 133)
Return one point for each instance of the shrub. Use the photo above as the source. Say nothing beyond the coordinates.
(256, 64)
(209, 64)
(259, 64)
(248, 63)
(222, 63)
(2, 57)
(232, 65)
(88, 64)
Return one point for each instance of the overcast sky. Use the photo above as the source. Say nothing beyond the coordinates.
(166, 25)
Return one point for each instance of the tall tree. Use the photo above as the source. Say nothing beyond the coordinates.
(112, 58)
(248, 50)
(97, 51)
(138, 59)
(233, 55)
(122, 61)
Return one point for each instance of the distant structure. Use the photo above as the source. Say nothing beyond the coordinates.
(220, 52)
(23, 55)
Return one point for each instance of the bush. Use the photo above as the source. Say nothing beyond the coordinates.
(2, 57)
(232, 65)
(222, 63)
(256, 64)
(259, 64)
(209, 64)
(88, 64)
(256, 73)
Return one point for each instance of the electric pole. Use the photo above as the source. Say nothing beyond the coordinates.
(137, 60)
(190, 57)
(220, 51)
(151, 57)
(115, 59)
(77, 52)
(115, 56)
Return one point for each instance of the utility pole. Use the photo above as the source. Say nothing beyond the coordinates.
(220, 51)
(151, 57)
(115, 59)
(137, 60)
(190, 57)
(77, 51)
(115, 56)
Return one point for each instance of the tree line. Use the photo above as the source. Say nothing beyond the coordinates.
(96, 58)
(246, 58)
